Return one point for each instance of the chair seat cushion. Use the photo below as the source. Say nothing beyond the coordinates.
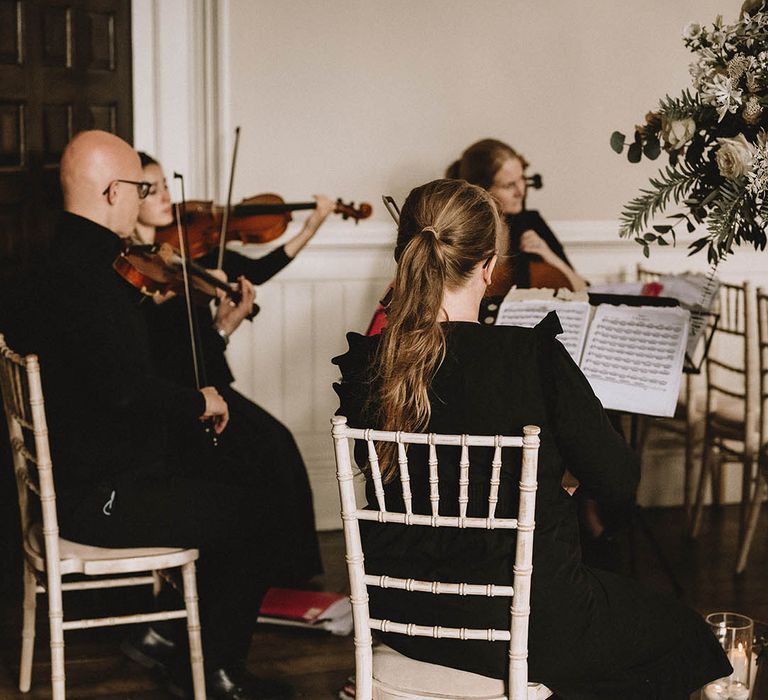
(398, 676)
(93, 561)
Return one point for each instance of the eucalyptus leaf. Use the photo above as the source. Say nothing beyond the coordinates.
(617, 141)
(652, 149)
(661, 241)
(650, 236)
(691, 228)
(662, 229)
(647, 252)
(634, 153)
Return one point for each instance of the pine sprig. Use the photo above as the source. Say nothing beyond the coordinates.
(672, 183)
(686, 105)
(726, 217)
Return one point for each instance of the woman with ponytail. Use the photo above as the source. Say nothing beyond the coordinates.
(593, 635)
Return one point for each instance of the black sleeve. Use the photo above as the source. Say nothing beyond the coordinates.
(355, 386)
(255, 270)
(541, 227)
(592, 450)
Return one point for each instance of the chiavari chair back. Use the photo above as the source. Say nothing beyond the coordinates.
(381, 672)
(731, 433)
(761, 476)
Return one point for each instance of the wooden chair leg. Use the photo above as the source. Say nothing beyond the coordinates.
(689, 466)
(749, 482)
(193, 629)
(56, 625)
(754, 515)
(717, 482)
(28, 629)
(157, 584)
(705, 472)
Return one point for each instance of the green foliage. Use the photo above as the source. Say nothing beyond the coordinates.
(686, 105)
(671, 184)
(617, 141)
(729, 211)
(652, 148)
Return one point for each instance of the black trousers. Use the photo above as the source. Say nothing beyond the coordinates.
(246, 505)
(229, 524)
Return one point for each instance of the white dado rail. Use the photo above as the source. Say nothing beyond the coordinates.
(282, 359)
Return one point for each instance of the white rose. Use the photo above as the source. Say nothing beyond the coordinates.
(734, 157)
(677, 132)
(691, 30)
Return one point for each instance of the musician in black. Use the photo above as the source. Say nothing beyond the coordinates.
(261, 449)
(119, 479)
(497, 167)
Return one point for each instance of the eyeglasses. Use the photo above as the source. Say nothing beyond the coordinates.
(142, 187)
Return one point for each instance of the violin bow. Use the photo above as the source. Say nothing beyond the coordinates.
(194, 325)
(392, 208)
(225, 216)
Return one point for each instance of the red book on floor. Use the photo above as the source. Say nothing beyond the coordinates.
(320, 609)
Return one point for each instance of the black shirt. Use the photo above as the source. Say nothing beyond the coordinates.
(106, 406)
(592, 634)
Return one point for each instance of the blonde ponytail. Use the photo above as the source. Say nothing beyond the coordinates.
(446, 228)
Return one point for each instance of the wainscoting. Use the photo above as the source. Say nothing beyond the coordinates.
(282, 359)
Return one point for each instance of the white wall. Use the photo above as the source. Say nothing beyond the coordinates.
(360, 97)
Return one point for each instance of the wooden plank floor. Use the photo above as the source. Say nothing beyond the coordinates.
(317, 664)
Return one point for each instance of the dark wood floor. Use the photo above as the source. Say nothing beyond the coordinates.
(317, 664)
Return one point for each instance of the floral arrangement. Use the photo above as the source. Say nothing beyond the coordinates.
(715, 138)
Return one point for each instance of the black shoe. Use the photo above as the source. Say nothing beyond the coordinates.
(229, 684)
(225, 684)
(149, 648)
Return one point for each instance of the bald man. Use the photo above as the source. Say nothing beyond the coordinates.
(119, 480)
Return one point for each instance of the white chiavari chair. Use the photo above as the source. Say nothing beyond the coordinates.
(48, 558)
(761, 476)
(686, 423)
(381, 672)
(731, 433)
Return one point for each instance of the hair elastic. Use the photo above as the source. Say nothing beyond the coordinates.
(431, 230)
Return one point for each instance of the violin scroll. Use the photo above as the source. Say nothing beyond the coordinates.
(349, 211)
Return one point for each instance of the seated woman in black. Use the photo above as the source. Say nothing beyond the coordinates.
(593, 635)
(260, 448)
(498, 168)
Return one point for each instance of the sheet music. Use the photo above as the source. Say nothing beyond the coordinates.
(573, 315)
(633, 357)
(696, 292)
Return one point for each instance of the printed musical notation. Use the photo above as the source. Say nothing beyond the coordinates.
(632, 356)
(573, 315)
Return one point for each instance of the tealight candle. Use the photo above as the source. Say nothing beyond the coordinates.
(740, 662)
(738, 691)
(716, 691)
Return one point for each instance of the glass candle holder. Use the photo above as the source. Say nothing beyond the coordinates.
(735, 633)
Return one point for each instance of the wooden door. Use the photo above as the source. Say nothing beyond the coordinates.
(65, 66)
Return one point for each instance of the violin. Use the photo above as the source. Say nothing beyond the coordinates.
(158, 269)
(258, 219)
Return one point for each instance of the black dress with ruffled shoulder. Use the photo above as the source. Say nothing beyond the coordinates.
(593, 635)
